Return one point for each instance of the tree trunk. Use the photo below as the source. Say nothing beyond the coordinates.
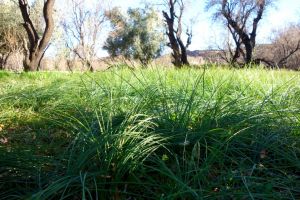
(249, 51)
(175, 43)
(37, 46)
(1, 62)
(184, 59)
(90, 66)
(32, 61)
(248, 59)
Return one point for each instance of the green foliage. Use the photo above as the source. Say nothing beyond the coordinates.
(8, 15)
(150, 134)
(10, 27)
(135, 36)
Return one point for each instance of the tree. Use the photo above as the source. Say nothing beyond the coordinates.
(287, 47)
(83, 29)
(173, 19)
(36, 46)
(284, 50)
(241, 17)
(135, 36)
(10, 32)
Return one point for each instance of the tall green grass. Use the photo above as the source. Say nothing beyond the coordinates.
(150, 134)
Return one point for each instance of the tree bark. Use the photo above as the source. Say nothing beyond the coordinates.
(179, 53)
(172, 39)
(36, 47)
(184, 59)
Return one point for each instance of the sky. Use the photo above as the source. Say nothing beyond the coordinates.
(209, 34)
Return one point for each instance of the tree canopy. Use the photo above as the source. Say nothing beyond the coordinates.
(137, 35)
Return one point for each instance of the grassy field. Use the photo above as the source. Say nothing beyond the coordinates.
(150, 134)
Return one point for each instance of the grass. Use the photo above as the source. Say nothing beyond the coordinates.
(150, 134)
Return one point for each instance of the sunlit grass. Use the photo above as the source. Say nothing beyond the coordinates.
(155, 133)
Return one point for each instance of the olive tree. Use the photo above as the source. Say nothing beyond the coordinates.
(37, 43)
(137, 35)
(11, 32)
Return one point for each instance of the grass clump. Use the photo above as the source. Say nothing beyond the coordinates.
(150, 134)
